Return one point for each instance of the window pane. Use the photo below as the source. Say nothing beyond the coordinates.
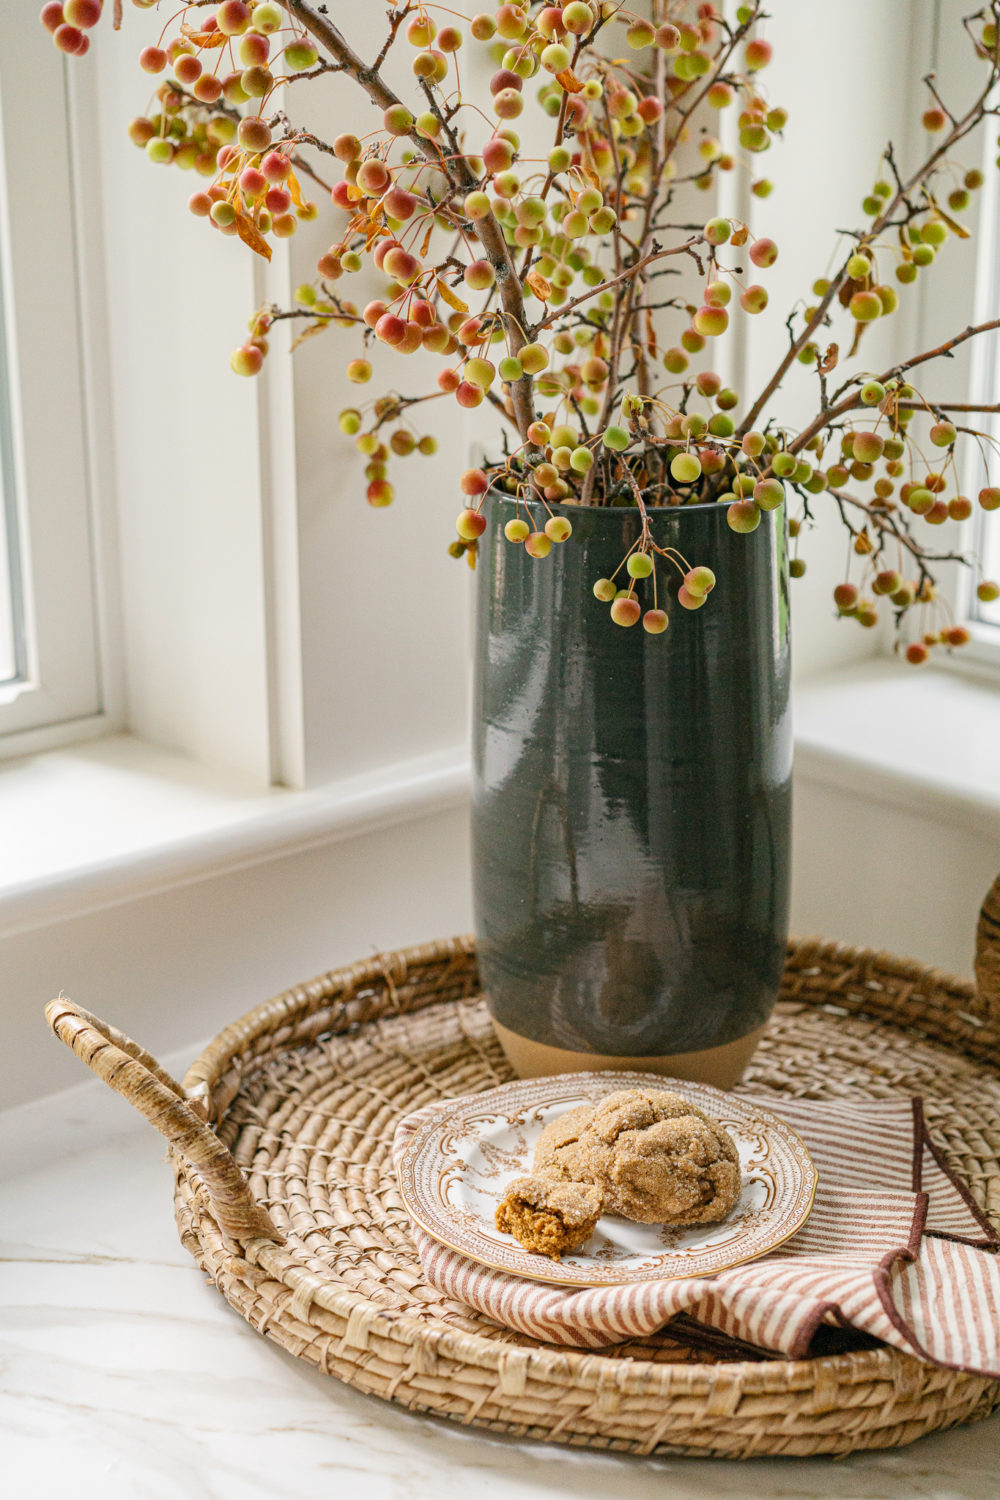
(11, 616)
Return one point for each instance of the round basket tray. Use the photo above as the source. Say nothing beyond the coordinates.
(286, 1197)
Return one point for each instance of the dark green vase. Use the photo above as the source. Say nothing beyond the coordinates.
(631, 798)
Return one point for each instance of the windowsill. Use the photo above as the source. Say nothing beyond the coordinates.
(108, 821)
(923, 739)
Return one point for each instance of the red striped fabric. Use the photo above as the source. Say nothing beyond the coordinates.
(894, 1247)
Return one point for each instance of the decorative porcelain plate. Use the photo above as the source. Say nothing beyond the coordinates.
(456, 1167)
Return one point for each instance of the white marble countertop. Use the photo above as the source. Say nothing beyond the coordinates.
(124, 1376)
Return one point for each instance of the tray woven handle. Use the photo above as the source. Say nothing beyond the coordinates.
(132, 1072)
(988, 954)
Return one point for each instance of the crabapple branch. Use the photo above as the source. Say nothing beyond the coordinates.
(959, 130)
(529, 277)
(489, 231)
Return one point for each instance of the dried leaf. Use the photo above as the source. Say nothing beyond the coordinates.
(309, 333)
(568, 81)
(953, 224)
(740, 235)
(292, 184)
(427, 241)
(251, 235)
(651, 343)
(204, 38)
(541, 288)
(455, 303)
(829, 360)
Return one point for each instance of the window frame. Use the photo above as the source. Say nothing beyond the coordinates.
(968, 301)
(60, 692)
(984, 646)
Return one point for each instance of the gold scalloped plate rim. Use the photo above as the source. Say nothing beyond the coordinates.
(572, 1087)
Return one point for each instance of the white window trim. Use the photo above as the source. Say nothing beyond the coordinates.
(984, 647)
(54, 353)
(969, 300)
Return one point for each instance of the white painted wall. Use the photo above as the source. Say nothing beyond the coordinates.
(177, 966)
(889, 877)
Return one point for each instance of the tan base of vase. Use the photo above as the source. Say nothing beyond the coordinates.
(721, 1066)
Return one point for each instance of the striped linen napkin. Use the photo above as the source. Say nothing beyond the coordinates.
(894, 1247)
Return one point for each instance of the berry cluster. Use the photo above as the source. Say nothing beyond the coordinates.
(69, 21)
(640, 563)
(539, 280)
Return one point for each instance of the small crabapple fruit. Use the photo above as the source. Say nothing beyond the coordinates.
(763, 252)
(626, 610)
(700, 580)
(470, 524)
(380, 493)
(743, 516)
(868, 447)
(473, 482)
(685, 467)
(753, 299)
(246, 360)
(538, 544)
(558, 528)
(768, 494)
(865, 306)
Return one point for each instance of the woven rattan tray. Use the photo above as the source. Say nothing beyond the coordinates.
(285, 1196)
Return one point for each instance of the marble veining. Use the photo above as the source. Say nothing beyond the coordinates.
(123, 1376)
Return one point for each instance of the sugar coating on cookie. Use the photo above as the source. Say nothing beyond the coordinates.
(558, 1150)
(656, 1157)
(549, 1216)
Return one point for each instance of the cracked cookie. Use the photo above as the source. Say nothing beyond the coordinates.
(655, 1157)
(549, 1216)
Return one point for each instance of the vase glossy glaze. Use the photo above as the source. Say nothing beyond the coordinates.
(631, 798)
